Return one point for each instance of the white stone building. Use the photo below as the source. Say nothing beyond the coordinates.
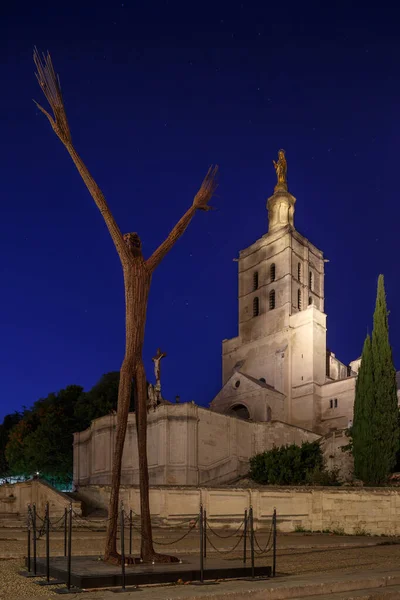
(281, 347)
(280, 382)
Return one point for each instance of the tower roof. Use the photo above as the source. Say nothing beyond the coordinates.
(280, 205)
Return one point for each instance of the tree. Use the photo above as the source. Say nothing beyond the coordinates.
(101, 400)
(137, 272)
(364, 401)
(385, 422)
(42, 439)
(9, 422)
(375, 430)
(14, 453)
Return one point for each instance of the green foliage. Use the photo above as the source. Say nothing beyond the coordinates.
(364, 403)
(301, 529)
(323, 477)
(291, 465)
(375, 431)
(41, 439)
(386, 426)
(360, 530)
(8, 423)
(100, 400)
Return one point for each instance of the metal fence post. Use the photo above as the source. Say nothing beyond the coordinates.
(274, 544)
(205, 533)
(29, 538)
(201, 545)
(47, 522)
(69, 547)
(31, 532)
(252, 540)
(65, 530)
(47, 529)
(130, 531)
(245, 538)
(34, 538)
(123, 546)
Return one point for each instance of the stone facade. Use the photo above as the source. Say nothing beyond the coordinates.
(15, 497)
(187, 445)
(344, 510)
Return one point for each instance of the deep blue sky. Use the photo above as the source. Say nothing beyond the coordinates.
(155, 92)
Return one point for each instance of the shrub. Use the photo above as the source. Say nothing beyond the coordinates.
(292, 465)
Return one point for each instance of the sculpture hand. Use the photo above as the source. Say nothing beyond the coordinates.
(206, 190)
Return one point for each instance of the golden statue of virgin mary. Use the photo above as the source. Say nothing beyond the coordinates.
(281, 171)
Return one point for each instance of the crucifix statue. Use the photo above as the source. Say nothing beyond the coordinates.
(157, 366)
(154, 391)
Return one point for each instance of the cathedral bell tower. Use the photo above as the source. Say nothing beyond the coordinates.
(282, 325)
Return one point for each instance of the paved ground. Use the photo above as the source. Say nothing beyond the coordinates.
(307, 555)
(13, 542)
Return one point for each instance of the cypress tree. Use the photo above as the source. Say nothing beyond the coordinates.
(385, 427)
(363, 449)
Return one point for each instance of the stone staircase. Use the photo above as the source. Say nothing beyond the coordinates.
(12, 521)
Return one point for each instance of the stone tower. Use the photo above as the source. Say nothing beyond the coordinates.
(282, 326)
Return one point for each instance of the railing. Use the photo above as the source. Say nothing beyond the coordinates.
(38, 526)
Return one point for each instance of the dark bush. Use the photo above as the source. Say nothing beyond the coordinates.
(292, 465)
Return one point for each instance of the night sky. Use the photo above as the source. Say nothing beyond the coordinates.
(155, 92)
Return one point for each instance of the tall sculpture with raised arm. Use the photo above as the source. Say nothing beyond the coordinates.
(137, 272)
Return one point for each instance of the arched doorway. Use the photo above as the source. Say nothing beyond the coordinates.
(240, 411)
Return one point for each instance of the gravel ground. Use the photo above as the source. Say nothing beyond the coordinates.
(13, 542)
(289, 561)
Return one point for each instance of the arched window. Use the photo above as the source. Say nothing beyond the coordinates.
(310, 301)
(240, 411)
(311, 280)
(272, 299)
(262, 379)
(256, 307)
(299, 299)
(299, 271)
(272, 272)
(255, 280)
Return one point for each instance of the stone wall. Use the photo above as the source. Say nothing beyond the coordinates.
(187, 445)
(335, 458)
(14, 498)
(344, 510)
(336, 404)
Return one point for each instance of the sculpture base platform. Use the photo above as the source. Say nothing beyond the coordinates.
(90, 572)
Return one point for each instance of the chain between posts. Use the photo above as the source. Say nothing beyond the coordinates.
(69, 516)
(226, 551)
(225, 537)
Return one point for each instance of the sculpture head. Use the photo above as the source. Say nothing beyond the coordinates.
(132, 240)
(281, 154)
